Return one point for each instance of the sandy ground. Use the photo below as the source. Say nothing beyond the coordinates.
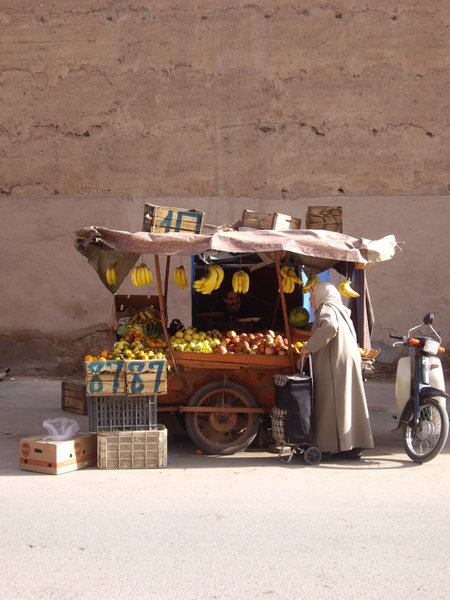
(206, 527)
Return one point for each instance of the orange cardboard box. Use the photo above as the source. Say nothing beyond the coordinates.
(59, 456)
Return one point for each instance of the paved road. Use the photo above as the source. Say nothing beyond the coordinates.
(240, 527)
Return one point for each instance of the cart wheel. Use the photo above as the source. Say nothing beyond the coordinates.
(313, 456)
(222, 433)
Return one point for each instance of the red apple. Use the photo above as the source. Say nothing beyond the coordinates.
(221, 349)
(270, 350)
(231, 334)
(270, 332)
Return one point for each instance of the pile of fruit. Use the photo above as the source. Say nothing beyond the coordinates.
(268, 343)
(134, 346)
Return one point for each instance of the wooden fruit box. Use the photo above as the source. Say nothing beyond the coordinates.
(146, 377)
(105, 378)
(273, 221)
(166, 219)
(324, 217)
(73, 397)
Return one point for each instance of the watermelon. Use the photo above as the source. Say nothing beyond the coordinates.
(299, 317)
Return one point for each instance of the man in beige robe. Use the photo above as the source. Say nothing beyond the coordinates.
(341, 417)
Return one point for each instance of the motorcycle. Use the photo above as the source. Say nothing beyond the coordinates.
(420, 394)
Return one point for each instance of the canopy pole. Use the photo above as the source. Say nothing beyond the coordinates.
(162, 308)
(285, 313)
(166, 279)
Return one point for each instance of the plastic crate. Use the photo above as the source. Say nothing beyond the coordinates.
(132, 449)
(112, 413)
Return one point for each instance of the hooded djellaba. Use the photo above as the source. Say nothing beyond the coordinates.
(341, 417)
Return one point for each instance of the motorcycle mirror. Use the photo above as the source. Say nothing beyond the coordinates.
(428, 319)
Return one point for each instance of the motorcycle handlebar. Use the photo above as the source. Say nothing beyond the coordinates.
(397, 337)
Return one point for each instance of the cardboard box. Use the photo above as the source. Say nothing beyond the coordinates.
(169, 219)
(56, 457)
(105, 378)
(127, 305)
(273, 221)
(73, 397)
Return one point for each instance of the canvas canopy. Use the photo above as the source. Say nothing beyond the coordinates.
(306, 244)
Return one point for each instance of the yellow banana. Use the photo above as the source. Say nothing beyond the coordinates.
(179, 277)
(211, 280)
(345, 288)
(309, 284)
(246, 283)
(111, 276)
(220, 275)
(149, 276)
(134, 279)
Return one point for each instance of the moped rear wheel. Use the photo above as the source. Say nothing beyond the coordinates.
(424, 440)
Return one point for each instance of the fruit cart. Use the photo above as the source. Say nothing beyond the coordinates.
(225, 397)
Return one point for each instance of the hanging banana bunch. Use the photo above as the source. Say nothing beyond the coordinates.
(346, 290)
(240, 282)
(211, 281)
(111, 276)
(179, 277)
(309, 284)
(141, 276)
(289, 279)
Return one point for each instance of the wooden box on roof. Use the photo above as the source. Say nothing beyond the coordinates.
(167, 219)
(324, 217)
(274, 221)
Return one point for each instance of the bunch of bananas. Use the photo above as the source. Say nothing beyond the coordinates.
(141, 276)
(179, 277)
(308, 285)
(211, 281)
(289, 278)
(346, 290)
(111, 276)
(240, 282)
(143, 316)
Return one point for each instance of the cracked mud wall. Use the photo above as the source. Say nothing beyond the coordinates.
(223, 106)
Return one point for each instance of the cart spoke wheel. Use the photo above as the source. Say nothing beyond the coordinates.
(222, 432)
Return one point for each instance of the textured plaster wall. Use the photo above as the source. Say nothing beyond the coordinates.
(272, 106)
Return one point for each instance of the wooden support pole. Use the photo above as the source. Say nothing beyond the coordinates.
(285, 313)
(162, 307)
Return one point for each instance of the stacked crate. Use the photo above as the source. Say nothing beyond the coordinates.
(122, 410)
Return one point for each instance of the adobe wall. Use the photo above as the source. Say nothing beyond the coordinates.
(262, 105)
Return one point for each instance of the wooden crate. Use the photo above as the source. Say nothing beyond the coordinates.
(146, 377)
(273, 221)
(132, 449)
(58, 456)
(167, 219)
(324, 217)
(105, 378)
(73, 397)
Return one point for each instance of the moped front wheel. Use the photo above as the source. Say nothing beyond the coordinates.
(424, 440)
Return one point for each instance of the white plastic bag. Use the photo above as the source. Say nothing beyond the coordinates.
(60, 428)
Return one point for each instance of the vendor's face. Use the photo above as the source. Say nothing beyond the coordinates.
(233, 301)
(312, 301)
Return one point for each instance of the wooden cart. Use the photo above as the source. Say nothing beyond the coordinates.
(224, 397)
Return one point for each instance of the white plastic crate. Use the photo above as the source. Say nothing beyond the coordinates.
(132, 449)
